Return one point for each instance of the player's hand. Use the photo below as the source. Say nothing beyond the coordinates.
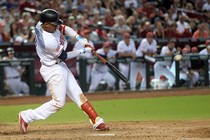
(83, 41)
(133, 55)
(88, 49)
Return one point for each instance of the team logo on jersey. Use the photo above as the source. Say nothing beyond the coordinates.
(62, 40)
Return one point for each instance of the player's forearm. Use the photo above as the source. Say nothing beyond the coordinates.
(74, 54)
(70, 32)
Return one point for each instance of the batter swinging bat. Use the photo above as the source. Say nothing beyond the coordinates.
(113, 68)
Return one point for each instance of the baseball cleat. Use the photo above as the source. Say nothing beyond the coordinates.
(22, 124)
(102, 127)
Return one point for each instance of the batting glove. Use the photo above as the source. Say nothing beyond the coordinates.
(87, 49)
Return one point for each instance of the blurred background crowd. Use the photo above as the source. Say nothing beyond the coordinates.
(109, 19)
(121, 22)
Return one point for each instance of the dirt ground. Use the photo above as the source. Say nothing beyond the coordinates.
(157, 130)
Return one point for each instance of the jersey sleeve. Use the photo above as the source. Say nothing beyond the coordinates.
(120, 47)
(164, 50)
(143, 46)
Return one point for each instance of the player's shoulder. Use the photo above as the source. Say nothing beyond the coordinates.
(204, 51)
(121, 43)
(5, 58)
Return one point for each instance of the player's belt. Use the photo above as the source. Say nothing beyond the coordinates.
(16, 77)
(50, 65)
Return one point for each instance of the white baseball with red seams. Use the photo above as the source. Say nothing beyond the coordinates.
(60, 81)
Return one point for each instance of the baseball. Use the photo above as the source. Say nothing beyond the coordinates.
(178, 57)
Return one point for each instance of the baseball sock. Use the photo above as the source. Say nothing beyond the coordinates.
(90, 111)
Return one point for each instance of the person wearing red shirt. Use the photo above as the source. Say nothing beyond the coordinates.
(200, 32)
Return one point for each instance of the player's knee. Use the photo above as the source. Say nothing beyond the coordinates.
(59, 103)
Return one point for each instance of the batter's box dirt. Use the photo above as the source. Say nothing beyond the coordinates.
(166, 130)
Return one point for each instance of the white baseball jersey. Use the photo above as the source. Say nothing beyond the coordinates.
(49, 45)
(101, 67)
(122, 47)
(164, 52)
(144, 46)
(11, 71)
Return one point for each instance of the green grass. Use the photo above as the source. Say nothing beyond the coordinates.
(147, 109)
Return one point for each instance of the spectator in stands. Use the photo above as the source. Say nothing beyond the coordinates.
(101, 33)
(146, 28)
(99, 8)
(93, 34)
(159, 30)
(132, 24)
(71, 22)
(170, 31)
(181, 24)
(77, 46)
(4, 36)
(13, 76)
(133, 4)
(13, 31)
(96, 17)
(121, 27)
(206, 6)
(80, 20)
(200, 32)
(125, 49)
(109, 20)
(187, 32)
(101, 71)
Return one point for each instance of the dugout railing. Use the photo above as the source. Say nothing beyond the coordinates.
(149, 68)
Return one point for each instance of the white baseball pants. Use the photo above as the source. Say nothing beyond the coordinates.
(60, 82)
(135, 68)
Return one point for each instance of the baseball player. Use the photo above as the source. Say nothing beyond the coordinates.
(163, 67)
(146, 47)
(125, 49)
(77, 46)
(13, 76)
(100, 71)
(186, 73)
(50, 46)
(206, 51)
